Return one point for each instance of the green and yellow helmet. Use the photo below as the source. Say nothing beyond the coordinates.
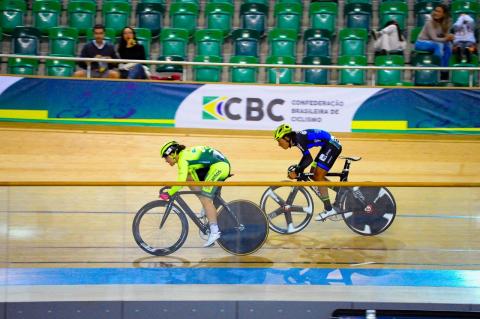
(281, 131)
(169, 148)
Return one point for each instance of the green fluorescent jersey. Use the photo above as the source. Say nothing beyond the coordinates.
(194, 158)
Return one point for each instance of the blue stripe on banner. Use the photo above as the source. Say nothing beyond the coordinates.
(251, 276)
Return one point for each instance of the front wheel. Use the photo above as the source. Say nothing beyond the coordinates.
(244, 227)
(153, 239)
(368, 211)
(289, 209)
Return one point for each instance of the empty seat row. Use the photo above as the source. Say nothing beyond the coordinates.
(219, 15)
(243, 73)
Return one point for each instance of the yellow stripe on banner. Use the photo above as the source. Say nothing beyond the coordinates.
(24, 114)
(380, 125)
(403, 126)
(43, 115)
(466, 129)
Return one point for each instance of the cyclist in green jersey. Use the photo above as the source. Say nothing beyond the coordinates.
(198, 163)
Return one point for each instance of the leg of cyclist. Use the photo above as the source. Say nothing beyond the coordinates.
(211, 214)
(319, 176)
(321, 165)
(201, 214)
(217, 172)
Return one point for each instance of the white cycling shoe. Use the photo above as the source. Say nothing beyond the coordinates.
(290, 228)
(325, 214)
(212, 238)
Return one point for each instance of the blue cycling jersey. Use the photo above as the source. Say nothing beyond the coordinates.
(307, 139)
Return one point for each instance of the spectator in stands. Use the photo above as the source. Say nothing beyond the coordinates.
(434, 35)
(389, 39)
(130, 49)
(464, 43)
(98, 48)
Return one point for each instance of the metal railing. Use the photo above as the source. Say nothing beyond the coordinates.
(474, 72)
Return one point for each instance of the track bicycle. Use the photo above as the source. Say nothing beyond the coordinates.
(161, 227)
(367, 211)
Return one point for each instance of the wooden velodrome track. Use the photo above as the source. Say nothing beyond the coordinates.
(435, 228)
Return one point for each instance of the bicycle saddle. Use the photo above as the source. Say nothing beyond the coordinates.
(353, 158)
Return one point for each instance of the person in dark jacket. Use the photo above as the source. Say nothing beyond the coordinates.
(98, 48)
(130, 49)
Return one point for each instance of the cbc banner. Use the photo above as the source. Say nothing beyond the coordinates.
(239, 107)
(264, 107)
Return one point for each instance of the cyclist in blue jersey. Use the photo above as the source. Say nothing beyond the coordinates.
(323, 162)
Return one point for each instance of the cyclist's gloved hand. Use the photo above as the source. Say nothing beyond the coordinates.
(164, 196)
(292, 171)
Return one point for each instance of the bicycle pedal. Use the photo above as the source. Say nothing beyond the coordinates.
(335, 218)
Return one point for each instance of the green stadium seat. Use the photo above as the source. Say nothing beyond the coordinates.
(220, 1)
(288, 15)
(209, 42)
(246, 42)
(174, 42)
(317, 42)
(254, 16)
(314, 75)
(144, 37)
(358, 15)
(467, 7)
(26, 40)
(195, 2)
(289, 1)
(184, 16)
(352, 76)
(279, 75)
(282, 42)
(262, 2)
(219, 16)
(389, 77)
(59, 68)
(243, 74)
(150, 16)
(116, 15)
(110, 35)
(422, 11)
(63, 41)
(81, 15)
(162, 2)
(12, 14)
(462, 77)
(46, 14)
(426, 77)
(169, 69)
(358, 1)
(353, 41)
(414, 34)
(207, 73)
(323, 15)
(393, 10)
(22, 66)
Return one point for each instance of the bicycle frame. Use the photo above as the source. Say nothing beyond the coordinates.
(204, 228)
(343, 175)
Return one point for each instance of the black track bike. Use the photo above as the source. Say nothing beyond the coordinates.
(366, 210)
(161, 227)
